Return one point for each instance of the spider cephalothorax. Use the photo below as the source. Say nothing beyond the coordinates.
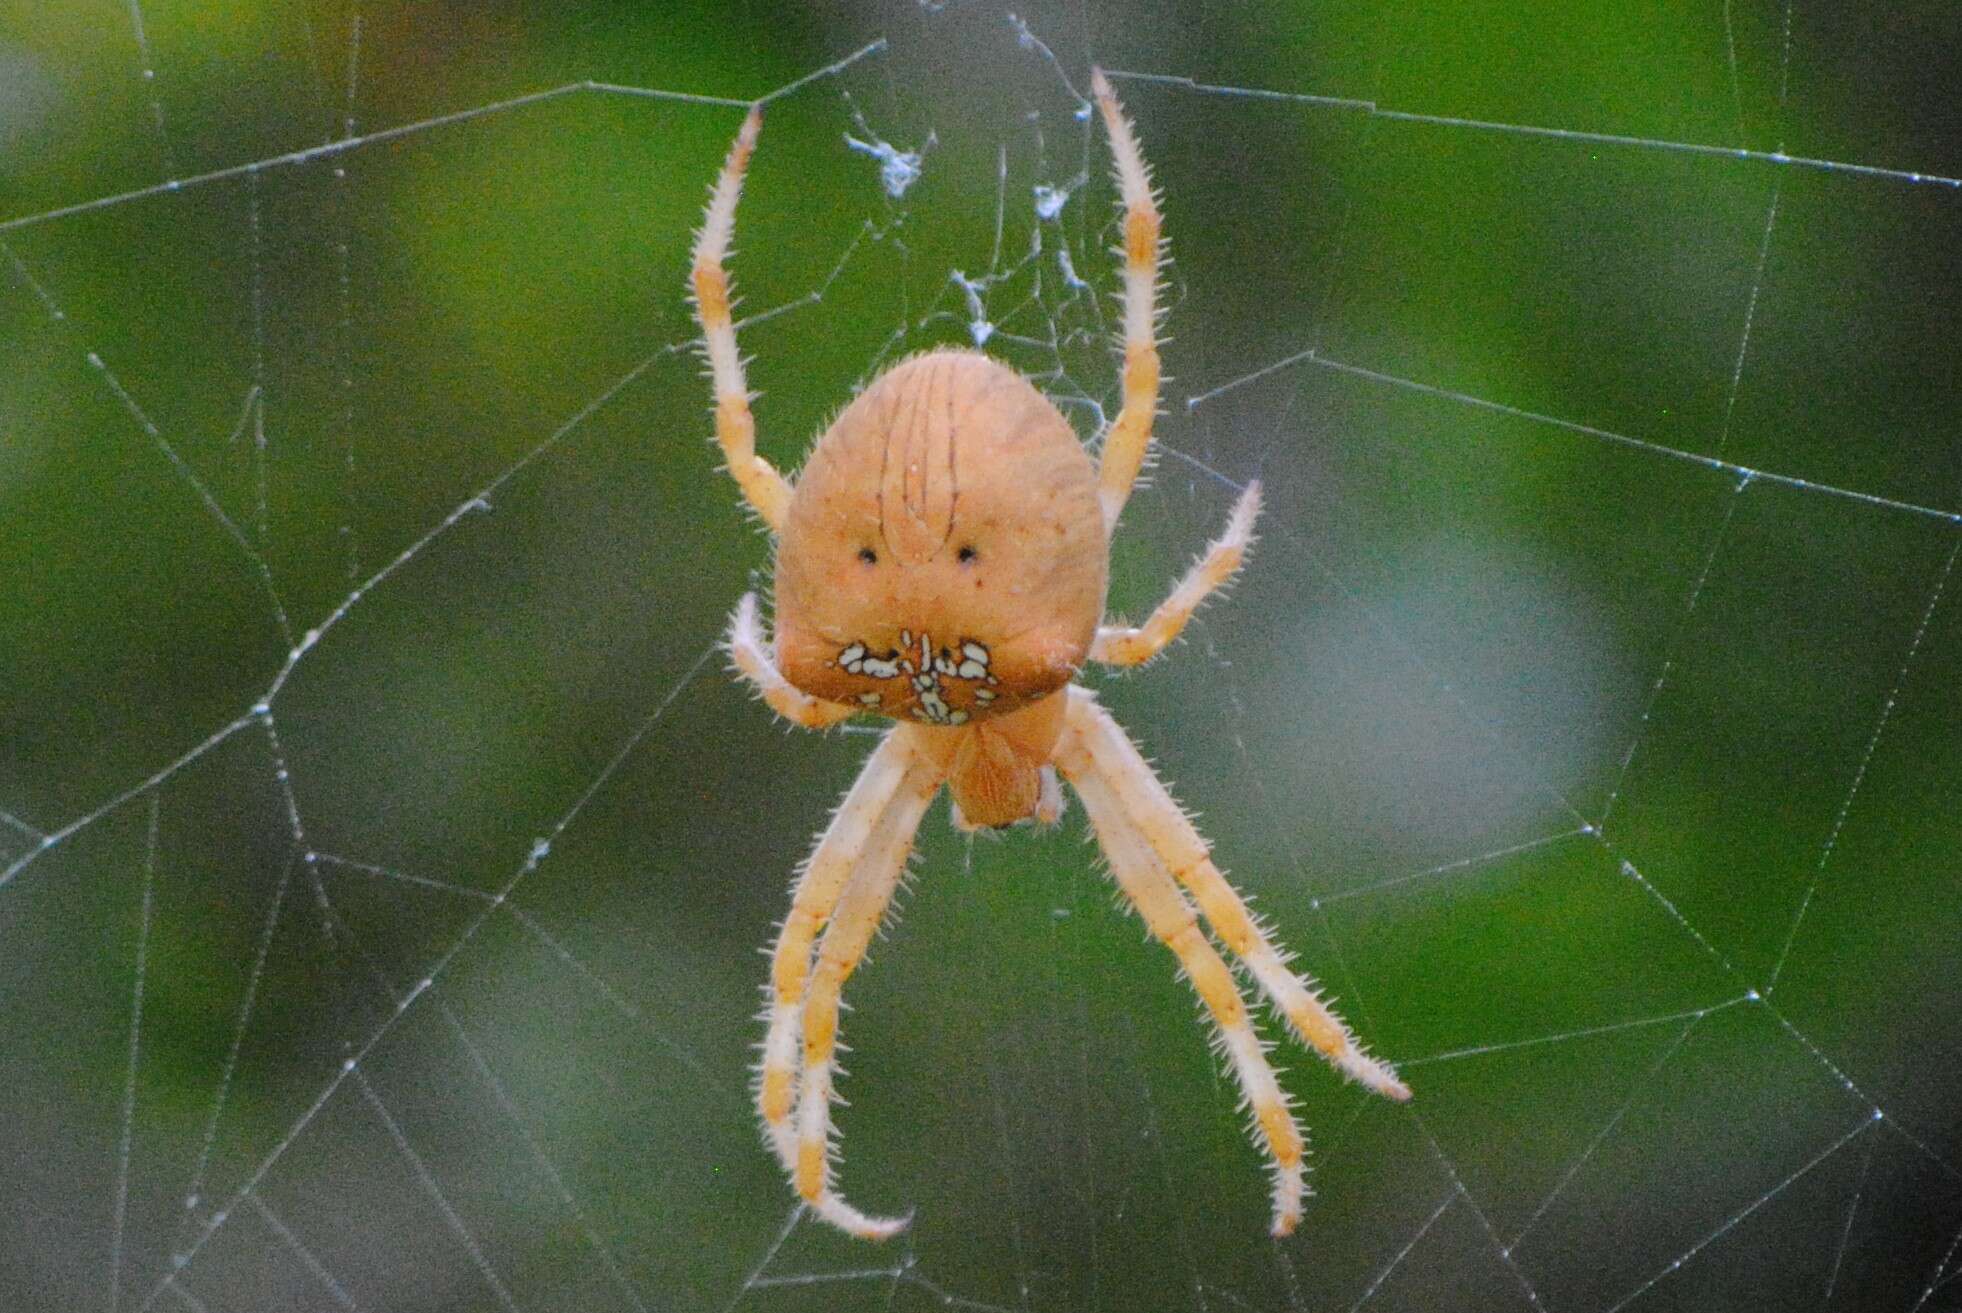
(942, 562)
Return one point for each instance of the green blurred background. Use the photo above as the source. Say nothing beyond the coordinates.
(1587, 718)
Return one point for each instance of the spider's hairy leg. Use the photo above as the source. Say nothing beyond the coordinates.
(1142, 876)
(735, 428)
(1129, 435)
(819, 886)
(749, 653)
(1049, 802)
(859, 912)
(1151, 807)
(1118, 645)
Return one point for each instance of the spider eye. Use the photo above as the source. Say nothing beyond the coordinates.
(967, 554)
(867, 555)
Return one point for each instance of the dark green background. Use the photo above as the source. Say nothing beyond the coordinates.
(1603, 619)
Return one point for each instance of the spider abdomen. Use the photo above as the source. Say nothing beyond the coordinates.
(943, 558)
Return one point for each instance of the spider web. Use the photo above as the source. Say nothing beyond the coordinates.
(382, 850)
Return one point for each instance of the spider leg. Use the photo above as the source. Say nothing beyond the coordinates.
(749, 653)
(1049, 802)
(1118, 645)
(1128, 437)
(819, 886)
(862, 907)
(1151, 807)
(1142, 876)
(735, 428)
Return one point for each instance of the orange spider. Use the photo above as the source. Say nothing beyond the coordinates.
(942, 562)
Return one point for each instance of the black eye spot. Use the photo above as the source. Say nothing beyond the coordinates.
(867, 555)
(967, 554)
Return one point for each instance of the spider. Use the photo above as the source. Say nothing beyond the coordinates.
(941, 562)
